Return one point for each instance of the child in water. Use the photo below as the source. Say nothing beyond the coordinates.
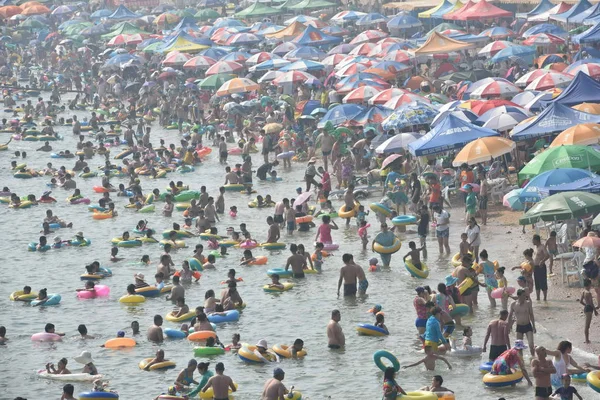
(247, 258)
(233, 211)
(210, 264)
(361, 215)
(275, 284)
(373, 267)
(429, 360)
(464, 245)
(235, 342)
(379, 322)
(414, 255)
(363, 234)
(467, 342)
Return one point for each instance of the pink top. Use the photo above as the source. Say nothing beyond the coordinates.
(325, 233)
(420, 308)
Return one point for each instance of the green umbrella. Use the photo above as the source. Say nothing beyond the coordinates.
(31, 23)
(573, 156)
(206, 14)
(215, 81)
(562, 206)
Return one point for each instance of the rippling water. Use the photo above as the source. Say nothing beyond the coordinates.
(279, 318)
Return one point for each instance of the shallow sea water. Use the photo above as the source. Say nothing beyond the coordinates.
(279, 318)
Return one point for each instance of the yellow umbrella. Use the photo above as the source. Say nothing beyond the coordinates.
(273, 127)
(582, 134)
(590, 108)
(237, 85)
(483, 149)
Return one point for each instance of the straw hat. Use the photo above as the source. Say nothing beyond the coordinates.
(262, 343)
(139, 276)
(84, 358)
(80, 234)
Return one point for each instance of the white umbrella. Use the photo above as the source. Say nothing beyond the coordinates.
(395, 143)
(504, 122)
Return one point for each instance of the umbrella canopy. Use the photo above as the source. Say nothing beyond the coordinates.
(395, 143)
(260, 58)
(531, 193)
(512, 200)
(493, 48)
(562, 206)
(224, 67)
(496, 88)
(387, 94)
(591, 69)
(403, 21)
(543, 39)
(390, 159)
(588, 242)
(215, 81)
(497, 32)
(176, 58)
(199, 63)
(590, 108)
(398, 101)
(273, 128)
(339, 114)
(572, 156)
(9, 11)
(237, 85)
(483, 150)
(36, 10)
(360, 95)
(504, 122)
(345, 16)
(550, 80)
(292, 77)
(416, 113)
(581, 134)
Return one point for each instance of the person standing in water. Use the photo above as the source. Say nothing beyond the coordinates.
(220, 383)
(521, 312)
(385, 238)
(335, 336)
(498, 331)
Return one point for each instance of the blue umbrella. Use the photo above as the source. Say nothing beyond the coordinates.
(306, 53)
(512, 200)
(272, 64)
(403, 21)
(514, 51)
(339, 114)
(228, 23)
(303, 65)
(235, 56)
(415, 113)
(554, 177)
(463, 114)
(213, 52)
(545, 28)
(102, 13)
(371, 18)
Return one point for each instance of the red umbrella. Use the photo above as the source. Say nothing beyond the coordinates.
(486, 105)
(389, 160)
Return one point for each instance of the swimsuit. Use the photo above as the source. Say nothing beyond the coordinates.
(496, 350)
(524, 328)
(334, 346)
(350, 289)
(363, 285)
(543, 392)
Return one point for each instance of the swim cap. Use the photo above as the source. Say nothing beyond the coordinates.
(121, 334)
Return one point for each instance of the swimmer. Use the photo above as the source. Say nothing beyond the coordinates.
(220, 383)
(3, 337)
(247, 258)
(26, 291)
(182, 308)
(414, 255)
(296, 261)
(275, 284)
(235, 342)
(379, 322)
(373, 267)
(158, 358)
(89, 287)
(210, 302)
(296, 347)
(83, 331)
(186, 376)
(61, 368)
(42, 298)
(363, 234)
(85, 358)
(318, 255)
(233, 211)
(210, 263)
(429, 360)
(113, 254)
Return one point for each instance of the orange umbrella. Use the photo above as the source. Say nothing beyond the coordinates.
(31, 3)
(36, 10)
(590, 108)
(237, 85)
(582, 134)
(9, 11)
(591, 240)
(414, 83)
(385, 75)
(483, 149)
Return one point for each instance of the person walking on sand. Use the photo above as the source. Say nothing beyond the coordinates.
(521, 312)
(335, 335)
(498, 331)
(587, 301)
(542, 368)
(349, 276)
(540, 274)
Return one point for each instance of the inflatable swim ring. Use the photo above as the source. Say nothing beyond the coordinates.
(342, 213)
(491, 380)
(285, 351)
(132, 299)
(459, 310)
(416, 272)
(260, 260)
(158, 366)
(247, 354)
(22, 297)
(53, 299)
(380, 354)
(370, 330)
(118, 343)
(273, 246)
(380, 208)
(286, 286)
(201, 336)
(185, 317)
(497, 293)
(208, 351)
(593, 380)
(45, 337)
(100, 291)
(402, 220)
(378, 248)
(230, 316)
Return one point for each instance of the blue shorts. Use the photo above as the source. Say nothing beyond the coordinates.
(449, 328)
(442, 234)
(363, 285)
(291, 225)
(421, 322)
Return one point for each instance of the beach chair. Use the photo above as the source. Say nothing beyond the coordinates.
(573, 268)
(498, 188)
(495, 170)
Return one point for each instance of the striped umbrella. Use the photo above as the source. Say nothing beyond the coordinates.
(237, 85)
(360, 95)
(550, 80)
(284, 48)
(491, 49)
(166, 19)
(343, 48)
(119, 40)
(36, 10)
(273, 64)
(401, 56)
(333, 60)
(530, 77)
(303, 65)
(176, 58)
(495, 89)
(292, 77)
(261, 57)
(237, 56)
(371, 19)
(369, 36)
(543, 39)
(242, 39)
(402, 99)
(9, 11)
(497, 32)
(199, 63)
(346, 16)
(386, 95)
(350, 69)
(362, 49)
(224, 67)
(591, 69)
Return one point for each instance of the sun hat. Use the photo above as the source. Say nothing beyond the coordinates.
(121, 334)
(84, 358)
(139, 276)
(79, 234)
(450, 280)
(262, 343)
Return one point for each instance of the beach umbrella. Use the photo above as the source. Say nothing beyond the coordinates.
(350, 69)
(460, 113)
(303, 65)
(343, 48)
(206, 14)
(304, 53)
(335, 31)
(302, 198)
(403, 21)
(176, 58)
(36, 10)
(590, 108)
(237, 85)
(273, 64)
(299, 18)
(215, 53)
(398, 101)
(10, 11)
(416, 113)
(515, 53)
(239, 57)
(224, 67)
(493, 48)
(401, 56)
(269, 76)
(572, 156)
(512, 200)
(497, 32)
(552, 178)
(242, 39)
(587, 242)
(284, 48)
(395, 143)
(502, 109)
(562, 206)
(199, 63)
(273, 128)
(386, 95)
(31, 23)
(360, 95)
(119, 40)
(346, 86)
(362, 49)
(339, 114)
(544, 28)
(580, 134)
(292, 77)
(62, 10)
(543, 39)
(550, 80)
(333, 60)
(260, 57)
(368, 36)
(390, 159)
(504, 122)
(370, 19)
(494, 89)
(591, 69)
(346, 16)
(214, 81)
